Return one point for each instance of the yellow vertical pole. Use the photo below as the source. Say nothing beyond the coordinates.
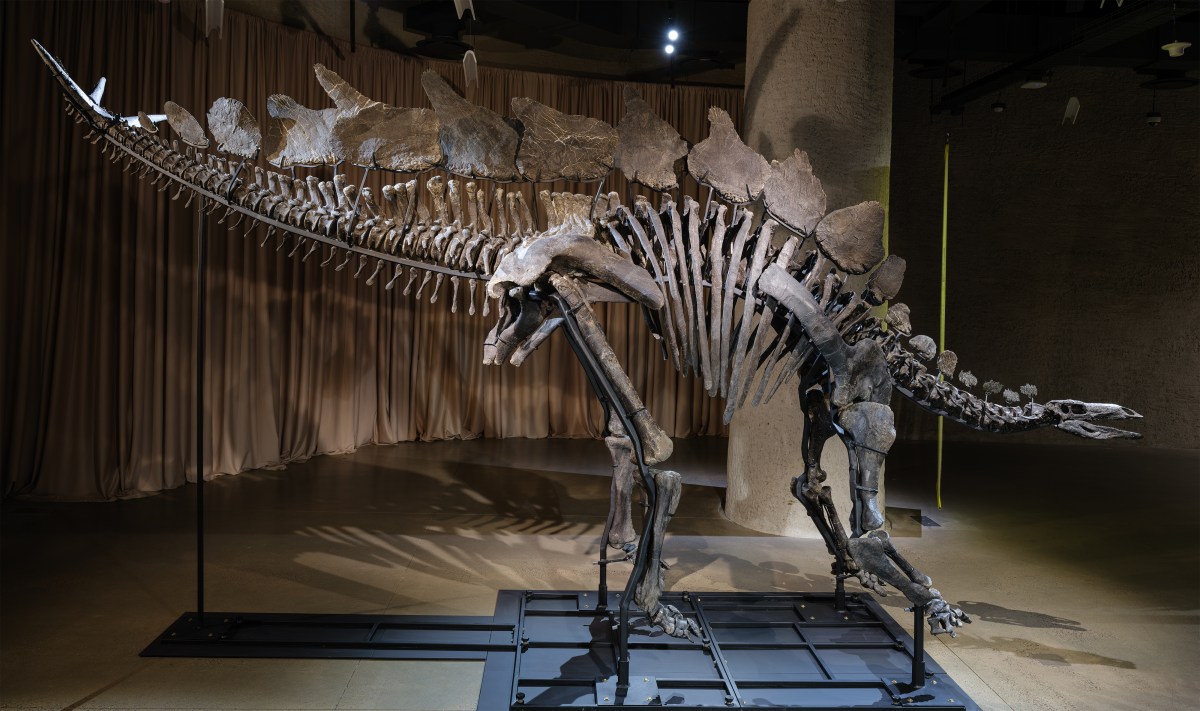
(942, 310)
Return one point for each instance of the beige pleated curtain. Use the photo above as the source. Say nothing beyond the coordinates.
(98, 312)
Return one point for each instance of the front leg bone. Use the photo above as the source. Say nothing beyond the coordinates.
(656, 445)
(620, 515)
(648, 593)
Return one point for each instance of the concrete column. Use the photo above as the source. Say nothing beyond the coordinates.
(818, 78)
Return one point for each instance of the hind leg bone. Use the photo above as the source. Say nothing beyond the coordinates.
(868, 432)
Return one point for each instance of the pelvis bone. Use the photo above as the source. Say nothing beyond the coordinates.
(571, 249)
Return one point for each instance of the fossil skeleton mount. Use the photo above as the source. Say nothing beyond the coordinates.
(749, 291)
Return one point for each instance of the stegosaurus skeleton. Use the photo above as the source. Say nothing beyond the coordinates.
(727, 286)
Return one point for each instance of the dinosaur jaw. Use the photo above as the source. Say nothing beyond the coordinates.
(1077, 417)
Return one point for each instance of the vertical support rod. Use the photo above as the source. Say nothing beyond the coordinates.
(839, 588)
(201, 328)
(942, 309)
(918, 660)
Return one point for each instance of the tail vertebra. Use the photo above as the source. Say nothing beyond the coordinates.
(939, 396)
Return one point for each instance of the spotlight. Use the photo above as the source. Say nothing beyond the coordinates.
(669, 49)
(672, 35)
(999, 107)
(1153, 118)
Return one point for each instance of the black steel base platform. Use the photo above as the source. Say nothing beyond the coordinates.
(554, 649)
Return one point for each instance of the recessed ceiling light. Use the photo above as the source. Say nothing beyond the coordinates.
(673, 35)
(669, 49)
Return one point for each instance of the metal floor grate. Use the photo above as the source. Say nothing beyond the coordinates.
(554, 649)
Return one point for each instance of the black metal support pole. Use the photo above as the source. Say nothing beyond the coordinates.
(201, 327)
(605, 391)
(839, 590)
(918, 660)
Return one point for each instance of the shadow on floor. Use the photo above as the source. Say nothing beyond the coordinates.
(988, 612)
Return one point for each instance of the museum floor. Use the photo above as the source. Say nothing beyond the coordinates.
(1079, 565)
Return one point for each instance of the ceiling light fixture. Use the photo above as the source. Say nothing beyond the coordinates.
(669, 49)
(1176, 48)
(672, 35)
(1036, 81)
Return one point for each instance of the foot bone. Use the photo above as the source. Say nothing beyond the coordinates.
(674, 622)
(943, 617)
(874, 559)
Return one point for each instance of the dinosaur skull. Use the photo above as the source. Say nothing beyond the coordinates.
(520, 317)
(1076, 417)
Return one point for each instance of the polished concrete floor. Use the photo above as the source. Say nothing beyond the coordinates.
(1079, 564)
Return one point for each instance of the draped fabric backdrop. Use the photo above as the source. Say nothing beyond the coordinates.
(98, 317)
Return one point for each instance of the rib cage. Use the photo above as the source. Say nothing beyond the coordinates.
(715, 324)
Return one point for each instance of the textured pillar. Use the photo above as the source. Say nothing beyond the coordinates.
(818, 78)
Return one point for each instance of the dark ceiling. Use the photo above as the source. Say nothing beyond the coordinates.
(1000, 42)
